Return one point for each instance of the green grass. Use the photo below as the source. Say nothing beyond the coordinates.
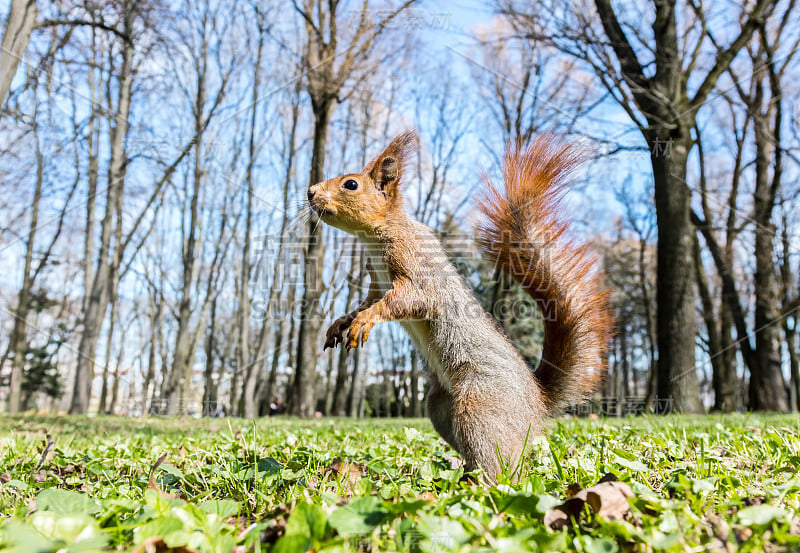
(700, 483)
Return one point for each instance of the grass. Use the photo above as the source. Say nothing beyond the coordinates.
(700, 484)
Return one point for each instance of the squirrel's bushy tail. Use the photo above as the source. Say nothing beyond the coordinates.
(524, 235)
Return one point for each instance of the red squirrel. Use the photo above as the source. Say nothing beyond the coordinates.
(484, 399)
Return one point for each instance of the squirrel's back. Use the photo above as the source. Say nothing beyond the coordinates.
(524, 234)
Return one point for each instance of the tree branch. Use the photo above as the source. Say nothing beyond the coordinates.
(725, 57)
(629, 63)
(84, 23)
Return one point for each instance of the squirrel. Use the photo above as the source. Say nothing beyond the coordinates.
(484, 399)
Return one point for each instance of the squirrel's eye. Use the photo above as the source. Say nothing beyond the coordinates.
(350, 184)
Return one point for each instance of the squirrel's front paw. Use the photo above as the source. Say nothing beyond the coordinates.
(335, 333)
(362, 324)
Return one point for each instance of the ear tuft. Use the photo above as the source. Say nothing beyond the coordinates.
(387, 169)
(405, 145)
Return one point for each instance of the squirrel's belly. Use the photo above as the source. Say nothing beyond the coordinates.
(420, 334)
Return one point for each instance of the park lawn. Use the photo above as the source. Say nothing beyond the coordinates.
(717, 483)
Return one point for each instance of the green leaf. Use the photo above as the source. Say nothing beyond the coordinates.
(633, 465)
(175, 471)
(268, 465)
(162, 527)
(443, 533)
(596, 545)
(291, 543)
(66, 502)
(358, 517)
(307, 520)
(760, 515)
(18, 484)
(223, 508)
(406, 507)
(16, 537)
(79, 531)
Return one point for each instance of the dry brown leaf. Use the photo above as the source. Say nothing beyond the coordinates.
(5, 477)
(455, 462)
(558, 517)
(607, 498)
(350, 473)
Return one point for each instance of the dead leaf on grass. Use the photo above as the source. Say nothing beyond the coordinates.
(350, 474)
(455, 462)
(608, 498)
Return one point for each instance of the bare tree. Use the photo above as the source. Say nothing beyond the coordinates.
(20, 24)
(212, 29)
(250, 366)
(19, 333)
(763, 103)
(649, 77)
(328, 67)
(791, 302)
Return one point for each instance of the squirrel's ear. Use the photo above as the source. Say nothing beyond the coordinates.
(387, 169)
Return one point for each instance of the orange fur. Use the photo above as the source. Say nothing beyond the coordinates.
(524, 234)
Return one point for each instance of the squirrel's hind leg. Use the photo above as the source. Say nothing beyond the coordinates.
(440, 411)
(478, 444)
(488, 438)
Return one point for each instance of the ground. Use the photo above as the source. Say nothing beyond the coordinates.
(717, 483)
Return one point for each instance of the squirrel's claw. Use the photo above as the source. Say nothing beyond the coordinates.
(333, 337)
(331, 342)
(358, 334)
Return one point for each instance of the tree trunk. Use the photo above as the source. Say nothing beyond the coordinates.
(302, 397)
(710, 319)
(794, 367)
(19, 334)
(21, 20)
(97, 303)
(790, 330)
(767, 387)
(107, 362)
(183, 356)
(726, 396)
(625, 358)
(675, 316)
(251, 370)
(112, 406)
(155, 319)
(209, 406)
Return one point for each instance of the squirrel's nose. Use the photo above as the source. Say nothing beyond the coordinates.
(311, 194)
